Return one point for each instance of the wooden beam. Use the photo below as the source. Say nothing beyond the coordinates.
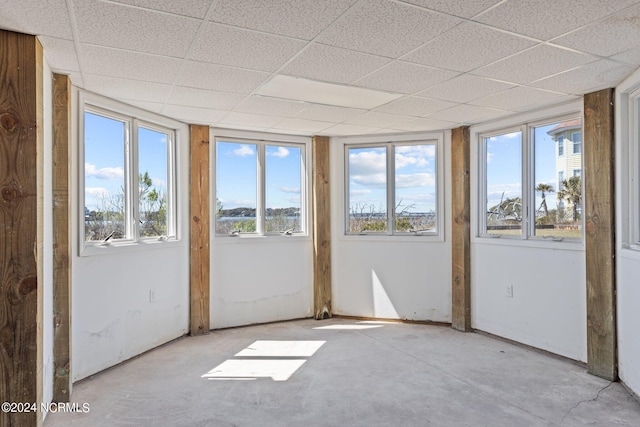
(199, 202)
(599, 204)
(21, 224)
(321, 228)
(61, 238)
(460, 229)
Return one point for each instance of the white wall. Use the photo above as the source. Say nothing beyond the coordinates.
(548, 306)
(390, 277)
(260, 279)
(627, 254)
(47, 282)
(127, 300)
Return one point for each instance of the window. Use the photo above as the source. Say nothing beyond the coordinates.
(128, 179)
(392, 188)
(560, 145)
(577, 172)
(576, 137)
(526, 194)
(259, 187)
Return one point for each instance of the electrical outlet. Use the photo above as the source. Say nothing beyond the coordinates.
(510, 291)
(152, 295)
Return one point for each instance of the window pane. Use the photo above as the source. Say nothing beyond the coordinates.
(283, 189)
(104, 178)
(152, 182)
(415, 192)
(504, 184)
(236, 194)
(558, 186)
(367, 189)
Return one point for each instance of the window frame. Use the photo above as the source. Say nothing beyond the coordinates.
(133, 118)
(436, 139)
(261, 141)
(634, 169)
(527, 125)
(576, 143)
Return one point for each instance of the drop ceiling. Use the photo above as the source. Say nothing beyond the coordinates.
(335, 67)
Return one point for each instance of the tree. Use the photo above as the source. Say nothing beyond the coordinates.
(509, 210)
(572, 193)
(544, 189)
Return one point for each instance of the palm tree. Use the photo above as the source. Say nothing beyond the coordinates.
(572, 193)
(544, 189)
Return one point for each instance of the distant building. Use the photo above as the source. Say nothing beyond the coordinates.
(568, 137)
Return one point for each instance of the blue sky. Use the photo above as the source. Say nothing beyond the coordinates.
(236, 175)
(104, 158)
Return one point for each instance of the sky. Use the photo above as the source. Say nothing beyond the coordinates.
(236, 175)
(104, 158)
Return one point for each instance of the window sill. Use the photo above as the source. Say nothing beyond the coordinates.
(564, 245)
(259, 239)
(375, 237)
(631, 251)
(98, 248)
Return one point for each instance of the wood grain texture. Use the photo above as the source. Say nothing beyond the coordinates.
(21, 220)
(321, 228)
(61, 238)
(599, 205)
(460, 229)
(199, 202)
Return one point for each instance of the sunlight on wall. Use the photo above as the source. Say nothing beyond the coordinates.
(382, 305)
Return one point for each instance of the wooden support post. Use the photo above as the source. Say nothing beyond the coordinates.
(460, 229)
(599, 205)
(61, 238)
(321, 228)
(199, 202)
(21, 224)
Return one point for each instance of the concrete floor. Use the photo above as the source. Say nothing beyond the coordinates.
(387, 374)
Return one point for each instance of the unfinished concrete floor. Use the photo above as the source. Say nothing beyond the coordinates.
(341, 372)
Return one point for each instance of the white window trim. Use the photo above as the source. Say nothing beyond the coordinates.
(261, 139)
(478, 179)
(91, 102)
(633, 236)
(341, 198)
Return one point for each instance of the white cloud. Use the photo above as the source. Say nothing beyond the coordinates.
(371, 180)
(490, 156)
(415, 180)
(96, 191)
(355, 193)
(110, 173)
(282, 152)
(244, 150)
(367, 162)
(295, 190)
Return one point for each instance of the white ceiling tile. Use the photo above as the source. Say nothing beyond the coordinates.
(607, 37)
(126, 64)
(414, 106)
(326, 113)
(221, 44)
(154, 107)
(60, 53)
(376, 119)
(467, 114)
(276, 107)
(345, 129)
(588, 78)
(533, 64)
(474, 46)
(193, 115)
(303, 19)
(42, 18)
(302, 125)
(216, 100)
(193, 8)
(545, 19)
(521, 98)
(332, 64)
(462, 8)
(403, 77)
(465, 88)
(631, 57)
(255, 120)
(126, 89)
(131, 28)
(386, 28)
(417, 125)
(219, 77)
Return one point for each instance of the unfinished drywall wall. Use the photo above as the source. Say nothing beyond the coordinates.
(128, 299)
(393, 277)
(260, 279)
